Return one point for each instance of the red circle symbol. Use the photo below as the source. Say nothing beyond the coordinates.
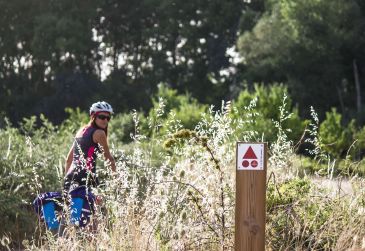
(245, 163)
(254, 163)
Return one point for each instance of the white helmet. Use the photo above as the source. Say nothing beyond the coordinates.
(101, 107)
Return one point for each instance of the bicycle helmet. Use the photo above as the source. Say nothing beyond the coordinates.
(101, 107)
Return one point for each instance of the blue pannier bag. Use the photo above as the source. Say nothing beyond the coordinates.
(48, 206)
(82, 206)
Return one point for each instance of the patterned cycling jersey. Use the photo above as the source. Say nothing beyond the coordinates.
(83, 169)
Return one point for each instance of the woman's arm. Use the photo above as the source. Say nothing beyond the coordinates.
(69, 158)
(99, 137)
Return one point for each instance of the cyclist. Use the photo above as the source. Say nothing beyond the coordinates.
(80, 166)
(80, 172)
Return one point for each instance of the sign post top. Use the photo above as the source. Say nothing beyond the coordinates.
(250, 156)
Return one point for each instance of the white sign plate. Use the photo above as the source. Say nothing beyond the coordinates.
(250, 156)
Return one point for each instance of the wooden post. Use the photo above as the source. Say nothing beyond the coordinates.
(251, 165)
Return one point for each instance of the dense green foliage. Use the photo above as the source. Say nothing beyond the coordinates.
(32, 161)
(313, 46)
(336, 137)
(264, 106)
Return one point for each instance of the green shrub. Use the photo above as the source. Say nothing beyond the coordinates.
(182, 108)
(336, 138)
(299, 220)
(266, 110)
(359, 146)
(32, 162)
(287, 192)
(121, 127)
(76, 119)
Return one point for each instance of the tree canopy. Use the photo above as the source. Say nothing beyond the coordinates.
(313, 46)
(57, 54)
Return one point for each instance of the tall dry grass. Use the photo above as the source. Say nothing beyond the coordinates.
(175, 190)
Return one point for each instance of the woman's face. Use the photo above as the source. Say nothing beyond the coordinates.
(102, 119)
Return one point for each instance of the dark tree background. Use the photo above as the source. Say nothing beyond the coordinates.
(57, 54)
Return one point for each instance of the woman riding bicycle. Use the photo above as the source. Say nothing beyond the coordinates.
(91, 139)
(81, 175)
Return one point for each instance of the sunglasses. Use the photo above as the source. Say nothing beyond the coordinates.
(103, 117)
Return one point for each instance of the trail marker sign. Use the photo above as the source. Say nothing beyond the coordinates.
(250, 156)
(250, 215)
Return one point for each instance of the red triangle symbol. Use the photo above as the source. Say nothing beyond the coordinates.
(250, 154)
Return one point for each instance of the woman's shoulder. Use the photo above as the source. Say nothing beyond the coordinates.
(81, 132)
(99, 132)
(99, 136)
